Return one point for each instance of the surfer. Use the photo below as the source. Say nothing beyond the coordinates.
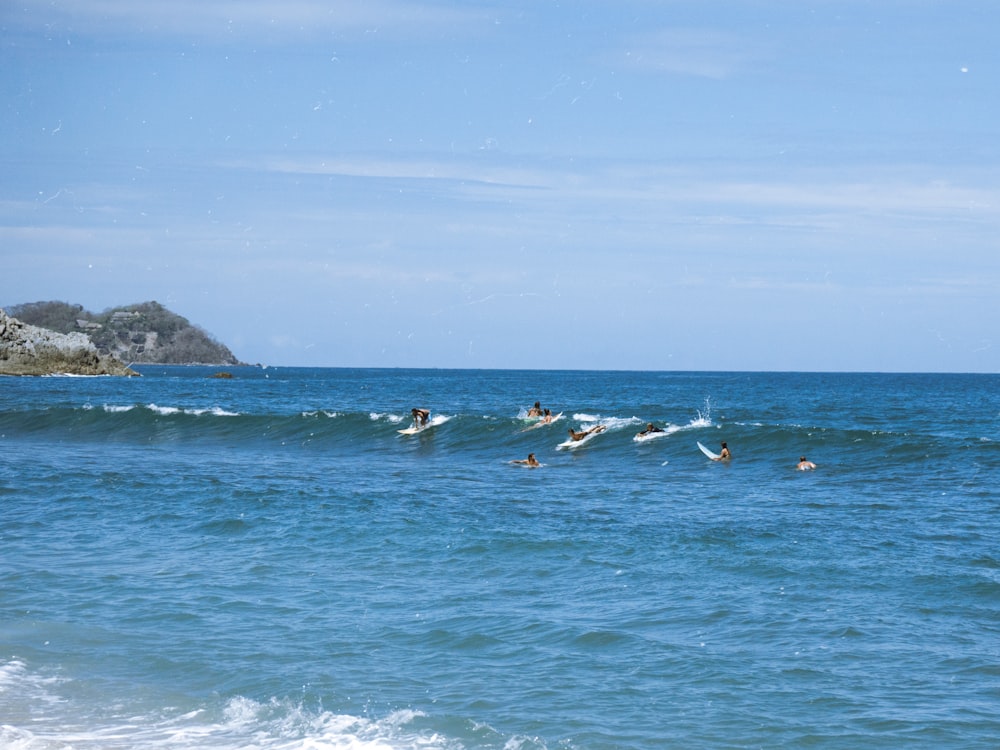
(547, 419)
(805, 464)
(420, 417)
(581, 435)
(650, 428)
(529, 461)
(724, 454)
(536, 410)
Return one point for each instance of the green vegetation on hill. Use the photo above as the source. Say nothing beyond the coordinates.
(146, 333)
(60, 317)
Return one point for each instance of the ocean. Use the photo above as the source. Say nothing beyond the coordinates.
(265, 562)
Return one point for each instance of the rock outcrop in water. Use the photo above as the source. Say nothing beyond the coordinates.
(30, 350)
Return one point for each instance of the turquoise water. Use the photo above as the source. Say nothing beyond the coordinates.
(190, 562)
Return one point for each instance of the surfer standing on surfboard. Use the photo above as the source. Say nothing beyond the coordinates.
(420, 417)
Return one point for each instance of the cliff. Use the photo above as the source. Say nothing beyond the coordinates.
(30, 350)
(144, 333)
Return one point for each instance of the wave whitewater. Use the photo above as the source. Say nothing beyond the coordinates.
(236, 722)
(155, 423)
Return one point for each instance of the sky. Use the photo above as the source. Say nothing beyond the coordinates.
(761, 185)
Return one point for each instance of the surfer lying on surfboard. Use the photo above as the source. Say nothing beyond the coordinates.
(650, 428)
(581, 435)
(549, 418)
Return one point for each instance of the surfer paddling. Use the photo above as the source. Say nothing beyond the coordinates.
(546, 419)
(575, 436)
(536, 410)
(805, 464)
(650, 429)
(529, 461)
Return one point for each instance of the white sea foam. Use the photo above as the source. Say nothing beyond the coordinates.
(215, 411)
(163, 410)
(42, 713)
(10, 673)
(620, 423)
(695, 424)
(166, 411)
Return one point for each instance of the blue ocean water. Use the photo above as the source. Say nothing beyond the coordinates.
(265, 562)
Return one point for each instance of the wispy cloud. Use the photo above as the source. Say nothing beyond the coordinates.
(220, 20)
(677, 186)
(877, 196)
(424, 168)
(67, 236)
(703, 53)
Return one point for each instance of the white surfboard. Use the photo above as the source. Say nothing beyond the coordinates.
(707, 452)
(571, 444)
(434, 422)
(644, 436)
(541, 423)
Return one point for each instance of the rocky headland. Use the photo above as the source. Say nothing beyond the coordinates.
(31, 350)
(144, 333)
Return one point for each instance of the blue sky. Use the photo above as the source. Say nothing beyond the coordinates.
(629, 184)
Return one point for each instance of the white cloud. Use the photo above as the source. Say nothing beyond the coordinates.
(639, 184)
(692, 52)
(222, 20)
(879, 196)
(65, 236)
(401, 169)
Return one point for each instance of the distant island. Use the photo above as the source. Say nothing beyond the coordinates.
(144, 333)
